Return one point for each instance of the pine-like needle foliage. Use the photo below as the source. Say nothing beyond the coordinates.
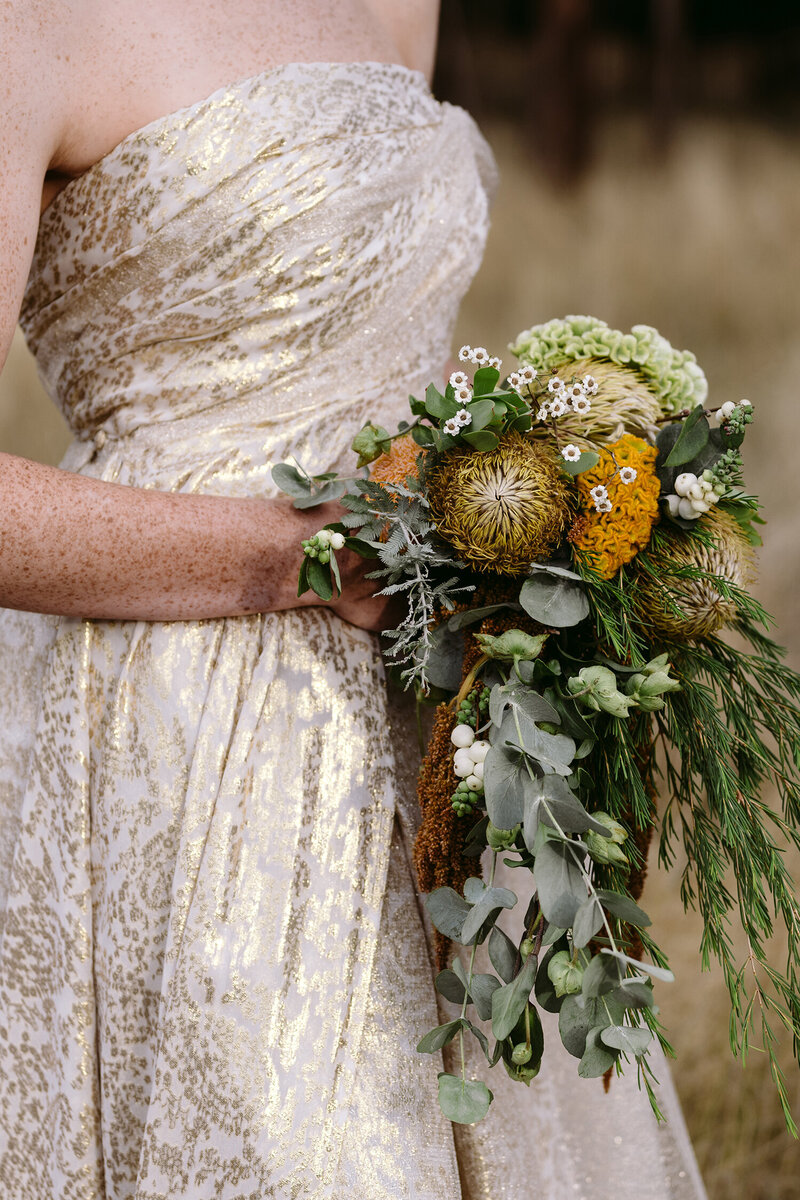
(728, 737)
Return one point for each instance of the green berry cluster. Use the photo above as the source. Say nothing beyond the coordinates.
(467, 714)
(737, 421)
(463, 800)
(727, 470)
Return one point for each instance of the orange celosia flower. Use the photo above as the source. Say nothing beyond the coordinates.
(612, 539)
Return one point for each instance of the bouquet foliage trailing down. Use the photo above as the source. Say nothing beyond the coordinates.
(571, 540)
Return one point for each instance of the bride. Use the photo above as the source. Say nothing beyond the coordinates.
(230, 233)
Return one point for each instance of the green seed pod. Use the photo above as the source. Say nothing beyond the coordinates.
(521, 1054)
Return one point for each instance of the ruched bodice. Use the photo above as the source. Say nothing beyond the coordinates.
(289, 252)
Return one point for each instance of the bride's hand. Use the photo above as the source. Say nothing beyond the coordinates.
(357, 603)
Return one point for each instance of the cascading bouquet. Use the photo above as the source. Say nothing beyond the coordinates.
(570, 540)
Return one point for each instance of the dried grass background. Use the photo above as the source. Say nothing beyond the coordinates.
(704, 244)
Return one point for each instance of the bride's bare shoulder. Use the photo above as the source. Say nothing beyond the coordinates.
(35, 47)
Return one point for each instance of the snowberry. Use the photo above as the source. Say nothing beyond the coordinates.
(462, 736)
(337, 541)
(475, 784)
(478, 751)
(684, 482)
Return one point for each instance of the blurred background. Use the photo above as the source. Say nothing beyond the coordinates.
(649, 155)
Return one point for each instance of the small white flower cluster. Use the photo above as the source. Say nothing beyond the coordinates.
(692, 496)
(521, 379)
(602, 503)
(571, 453)
(573, 397)
(469, 756)
(628, 474)
(478, 355)
(460, 385)
(460, 421)
(727, 409)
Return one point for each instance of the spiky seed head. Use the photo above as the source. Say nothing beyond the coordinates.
(501, 509)
(703, 610)
(622, 404)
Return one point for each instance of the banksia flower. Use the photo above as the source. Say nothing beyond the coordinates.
(398, 464)
(683, 607)
(501, 509)
(610, 537)
(622, 403)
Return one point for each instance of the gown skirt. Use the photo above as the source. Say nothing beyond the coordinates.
(213, 964)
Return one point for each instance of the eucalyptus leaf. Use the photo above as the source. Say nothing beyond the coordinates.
(474, 889)
(629, 1039)
(553, 568)
(481, 988)
(504, 773)
(554, 600)
(587, 460)
(440, 1036)
(330, 491)
(550, 799)
(596, 1058)
(624, 908)
(450, 986)
(559, 883)
(290, 480)
(518, 697)
(463, 1101)
(602, 976)
(552, 752)
(649, 968)
(634, 993)
(502, 954)
(445, 656)
(579, 1015)
(448, 912)
(508, 1001)
(588, 921)
(484, 1044)
(485, 912)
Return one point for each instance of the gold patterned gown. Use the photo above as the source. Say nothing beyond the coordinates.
(213, 970)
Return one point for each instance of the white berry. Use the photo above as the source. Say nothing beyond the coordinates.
(478, 751)
(462, 736)
(474, 783)
(462, 764)
(337, 541)
(684, 482)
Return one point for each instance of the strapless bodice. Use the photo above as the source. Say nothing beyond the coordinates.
(287, 255)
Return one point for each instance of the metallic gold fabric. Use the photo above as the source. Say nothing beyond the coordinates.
(213, 969)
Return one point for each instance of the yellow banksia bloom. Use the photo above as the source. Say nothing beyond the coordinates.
(501, 509)
(611, 539)
(685, 608)
(398, 464)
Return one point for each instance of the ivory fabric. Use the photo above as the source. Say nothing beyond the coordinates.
(213, 967)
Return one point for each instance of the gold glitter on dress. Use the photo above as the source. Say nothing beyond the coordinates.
(203, 829)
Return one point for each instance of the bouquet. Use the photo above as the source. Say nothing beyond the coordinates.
(573, 540)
